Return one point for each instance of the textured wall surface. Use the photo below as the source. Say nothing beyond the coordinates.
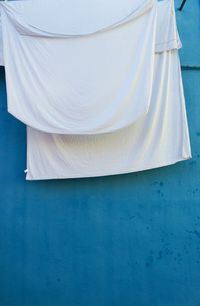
(114, 241)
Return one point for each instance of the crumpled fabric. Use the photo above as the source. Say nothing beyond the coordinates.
(158, 138)
(88, 71)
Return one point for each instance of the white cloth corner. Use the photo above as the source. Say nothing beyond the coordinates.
(167, 37)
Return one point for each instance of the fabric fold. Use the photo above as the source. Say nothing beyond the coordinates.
(76, 18)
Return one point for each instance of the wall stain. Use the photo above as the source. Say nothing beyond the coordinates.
(193, 162)
(195, 232)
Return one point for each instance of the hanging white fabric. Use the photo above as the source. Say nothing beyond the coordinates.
(158, 138)
(1, 46)
(76, 18)
(167, 37)
(88, 71)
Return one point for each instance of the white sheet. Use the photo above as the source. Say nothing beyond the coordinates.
(76, 18)
(1, 46)
(158, 139)
(79, 74)
(166, 38)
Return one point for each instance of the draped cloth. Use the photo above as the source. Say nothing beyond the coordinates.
(120, 111)
(1, 46)
(87, 71)
(158, 138)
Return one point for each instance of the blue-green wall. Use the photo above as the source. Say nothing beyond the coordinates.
(127, 240)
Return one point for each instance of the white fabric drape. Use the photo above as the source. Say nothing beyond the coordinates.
(76, 18)
(1, 46)
(88, 77)
(158, 138)
(100, 90)
(167, 37)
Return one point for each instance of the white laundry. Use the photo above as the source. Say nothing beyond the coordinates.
(1, 46)
(87, 71)
(167, 37)
(158, 138)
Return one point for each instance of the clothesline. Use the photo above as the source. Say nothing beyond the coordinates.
(182, 5)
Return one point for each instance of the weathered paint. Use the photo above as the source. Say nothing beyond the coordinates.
(114, 241)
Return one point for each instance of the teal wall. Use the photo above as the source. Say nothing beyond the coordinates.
(127, 240)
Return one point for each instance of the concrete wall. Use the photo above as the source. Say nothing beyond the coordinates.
(127, 240)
